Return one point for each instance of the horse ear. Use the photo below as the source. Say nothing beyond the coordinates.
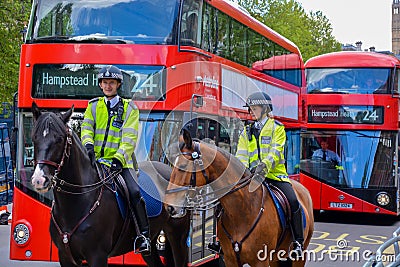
(187, 138)
(67, 115)
(36, 111)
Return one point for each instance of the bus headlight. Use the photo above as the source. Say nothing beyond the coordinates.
(21, 234)
(383, 198)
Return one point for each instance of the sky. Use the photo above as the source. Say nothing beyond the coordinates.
(368, 21)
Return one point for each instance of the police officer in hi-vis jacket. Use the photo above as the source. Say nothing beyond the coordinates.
(261, 149)
(109, 133)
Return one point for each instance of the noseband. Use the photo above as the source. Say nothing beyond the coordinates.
(197, 160)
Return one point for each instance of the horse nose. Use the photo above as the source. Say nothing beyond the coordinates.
(40, 182)
(171, 210)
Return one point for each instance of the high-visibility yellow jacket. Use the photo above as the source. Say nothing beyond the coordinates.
(99, 129)
(271, 142)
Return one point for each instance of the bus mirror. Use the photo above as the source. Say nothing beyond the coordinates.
(198, 101)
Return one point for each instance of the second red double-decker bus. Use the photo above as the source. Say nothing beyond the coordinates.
(352, 105)
(172, 53)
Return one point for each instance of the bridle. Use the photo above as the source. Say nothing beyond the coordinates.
(66, 154)
(195, 197)
(59, 184)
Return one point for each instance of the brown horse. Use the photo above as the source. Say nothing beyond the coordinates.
(249, 227)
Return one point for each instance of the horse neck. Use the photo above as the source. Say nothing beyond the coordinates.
(77, 168)
(79, 164)
(238, 201)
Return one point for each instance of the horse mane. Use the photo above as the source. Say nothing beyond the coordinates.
(234, 161)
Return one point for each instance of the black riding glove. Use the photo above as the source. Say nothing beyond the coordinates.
(258, 177)
(91, 154)
(116, 166)
(260, 169)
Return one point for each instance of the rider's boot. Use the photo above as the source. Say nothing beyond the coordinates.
(142, 242)
(297, 232)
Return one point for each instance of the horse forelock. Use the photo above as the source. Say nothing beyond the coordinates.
(46, 123)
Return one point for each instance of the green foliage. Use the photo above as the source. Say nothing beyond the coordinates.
(14, 14)
(312, 32)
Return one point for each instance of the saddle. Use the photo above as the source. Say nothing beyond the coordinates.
(281, 203)
(148, 190)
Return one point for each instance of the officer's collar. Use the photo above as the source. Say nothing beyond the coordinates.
(263, 121)
(114, 101)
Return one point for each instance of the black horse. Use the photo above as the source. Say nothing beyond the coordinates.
(86, 222)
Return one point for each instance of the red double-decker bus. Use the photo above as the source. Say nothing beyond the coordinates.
(172, 54)
(352, 105)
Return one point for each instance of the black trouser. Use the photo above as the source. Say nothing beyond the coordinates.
(136, 201)
(297, 220)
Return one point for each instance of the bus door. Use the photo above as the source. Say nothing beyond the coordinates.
(6, 170)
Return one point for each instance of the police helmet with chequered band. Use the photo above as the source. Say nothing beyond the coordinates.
(110, 72)
(259, 99)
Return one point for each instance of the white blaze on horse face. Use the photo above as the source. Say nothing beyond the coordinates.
(45, 132)
(38, 180)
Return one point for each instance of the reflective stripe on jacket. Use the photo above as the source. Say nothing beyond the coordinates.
(116, 142)
(272, 142)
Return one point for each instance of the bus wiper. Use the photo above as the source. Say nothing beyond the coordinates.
(49, 39)
(92, 38)
(327, 91)
(99, 37)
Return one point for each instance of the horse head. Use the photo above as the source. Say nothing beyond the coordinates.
(51, 139)
(200, 176)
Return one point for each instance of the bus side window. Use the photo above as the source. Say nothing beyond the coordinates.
(189, 30)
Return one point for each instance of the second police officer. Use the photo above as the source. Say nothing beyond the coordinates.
(261, 149)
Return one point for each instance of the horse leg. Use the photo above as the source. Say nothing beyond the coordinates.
(288, 263)
(66, 262)
(98, 260)
(168, 255)
(299, 263)
(282, 263)
(176, 232)
(153, 259)
(179, 249)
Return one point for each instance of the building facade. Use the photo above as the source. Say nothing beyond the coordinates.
(396, 27)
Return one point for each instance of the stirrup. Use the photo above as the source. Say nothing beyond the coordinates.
(144, 245)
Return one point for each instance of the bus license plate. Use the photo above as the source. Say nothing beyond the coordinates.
(340, 205)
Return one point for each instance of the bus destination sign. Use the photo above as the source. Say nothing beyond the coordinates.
(345, 114)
